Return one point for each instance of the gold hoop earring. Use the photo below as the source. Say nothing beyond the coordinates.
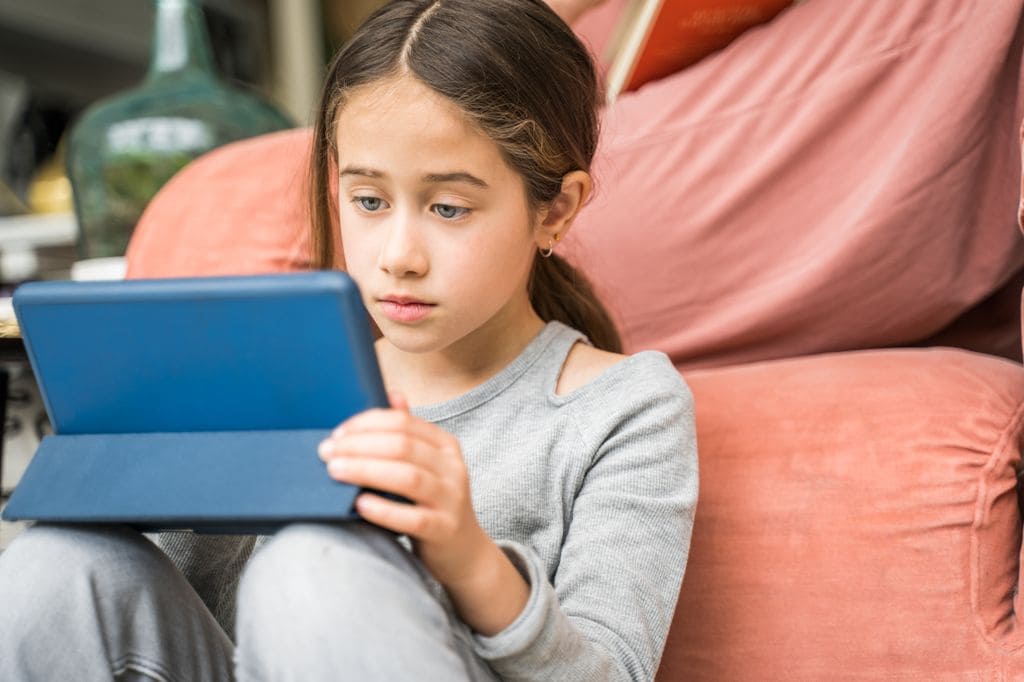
(546, 253)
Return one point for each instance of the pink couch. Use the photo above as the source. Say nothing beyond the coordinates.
(779, 218)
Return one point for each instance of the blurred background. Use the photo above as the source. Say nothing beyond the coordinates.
(57, 57)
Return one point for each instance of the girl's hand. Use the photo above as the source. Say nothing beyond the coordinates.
(392, 451)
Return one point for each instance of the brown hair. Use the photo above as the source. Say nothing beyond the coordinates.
(518, 73)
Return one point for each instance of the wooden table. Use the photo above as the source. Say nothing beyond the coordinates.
(12, 349)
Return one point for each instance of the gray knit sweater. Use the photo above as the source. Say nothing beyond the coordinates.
(592, 495)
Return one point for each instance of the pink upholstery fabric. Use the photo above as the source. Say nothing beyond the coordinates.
(846, 176)
(857, 520)
(240, 209)
(843, 177)
(595, 27)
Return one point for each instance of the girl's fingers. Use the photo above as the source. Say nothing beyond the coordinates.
(389, 420)
(382, 445)
(401, 478)
(414, 521)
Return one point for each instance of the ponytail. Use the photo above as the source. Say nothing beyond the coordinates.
(558, 291)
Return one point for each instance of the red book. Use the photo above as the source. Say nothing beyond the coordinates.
(655, 38)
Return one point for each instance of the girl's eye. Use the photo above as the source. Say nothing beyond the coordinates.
(369, 204)
(450, 212)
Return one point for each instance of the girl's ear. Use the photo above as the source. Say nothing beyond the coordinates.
(557, 217)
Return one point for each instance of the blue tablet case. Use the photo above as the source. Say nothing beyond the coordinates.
(193, 403)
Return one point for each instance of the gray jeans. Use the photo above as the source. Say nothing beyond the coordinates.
(317, 602)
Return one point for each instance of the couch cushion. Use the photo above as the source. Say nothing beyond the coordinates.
(858, 519)
(240, 209)
(846, 176)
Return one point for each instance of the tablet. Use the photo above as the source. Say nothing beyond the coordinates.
(194, 403)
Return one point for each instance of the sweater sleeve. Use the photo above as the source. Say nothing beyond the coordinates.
(606, 613)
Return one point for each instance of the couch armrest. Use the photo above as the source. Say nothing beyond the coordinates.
(237, 210)
(858, 519)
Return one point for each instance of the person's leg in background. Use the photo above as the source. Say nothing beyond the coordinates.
(92, 603)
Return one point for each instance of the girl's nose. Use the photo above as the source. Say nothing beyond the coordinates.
(402, 253)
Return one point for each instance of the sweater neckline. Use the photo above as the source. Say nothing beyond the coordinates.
(507, 376)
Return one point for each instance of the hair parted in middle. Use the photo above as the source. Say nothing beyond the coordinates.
(520, 75)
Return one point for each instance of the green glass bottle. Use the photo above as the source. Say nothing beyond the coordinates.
(124, 148)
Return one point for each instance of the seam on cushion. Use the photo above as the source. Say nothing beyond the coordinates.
(1001, 446)
(670, 131)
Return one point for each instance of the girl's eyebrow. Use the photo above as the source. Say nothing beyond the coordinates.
(365, 172)
(432, 178)
(460, 176)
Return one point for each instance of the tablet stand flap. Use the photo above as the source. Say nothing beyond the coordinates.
(224, 481)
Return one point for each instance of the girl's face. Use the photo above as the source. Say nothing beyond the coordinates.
(435, 226)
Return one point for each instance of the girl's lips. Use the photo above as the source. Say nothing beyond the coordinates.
(399, 310)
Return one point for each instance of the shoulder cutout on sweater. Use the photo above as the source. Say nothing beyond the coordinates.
(583, 364)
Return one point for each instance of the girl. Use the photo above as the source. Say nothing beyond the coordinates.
(553, 482)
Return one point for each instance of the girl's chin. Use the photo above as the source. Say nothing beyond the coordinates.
(411, 339)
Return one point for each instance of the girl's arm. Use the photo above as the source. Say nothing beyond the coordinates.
(604, 614)
(602, 609)
(394, 451)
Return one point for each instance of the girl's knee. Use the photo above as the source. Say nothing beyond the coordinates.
(65, 570)
(309, 549)
(46, 549)
(306, 565)
(352, 582)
